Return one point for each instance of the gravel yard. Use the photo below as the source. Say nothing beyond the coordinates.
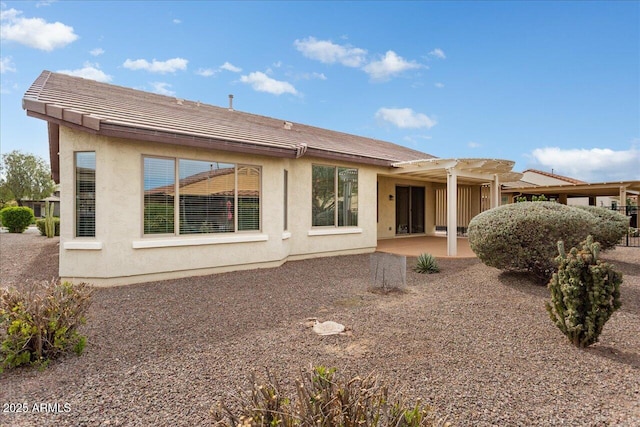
(474, 342)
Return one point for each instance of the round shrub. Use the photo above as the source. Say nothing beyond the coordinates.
(523, 236)
(611, 226)
(16, 218)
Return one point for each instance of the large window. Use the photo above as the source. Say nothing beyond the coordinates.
(85, 188)
(194, 196)
(334, 196)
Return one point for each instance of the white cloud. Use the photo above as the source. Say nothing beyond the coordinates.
(473, 144)
(262, 83)
(209, 72)
(439, 85)
(438, 53)
(390, 65)
(328, 52)
(312, 76)
(591, 165)
(7, 65)
(162, 67)
(206, 72)
(34, 32)
(405, 118)
(97, 51)
(177, 21)
(89, 71)
(230, 67)
(44, 3)
(162, 88)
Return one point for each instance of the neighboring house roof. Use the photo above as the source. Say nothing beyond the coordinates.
(116, 111)
(218, 182)
(556, 176)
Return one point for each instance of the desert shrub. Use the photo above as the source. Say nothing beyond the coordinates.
(534, 198)
(611, 226)
(523, 236)
(40, 223)
(426, 263)
(16, 218)
(41, 323)
(584, 293)
(322, 400)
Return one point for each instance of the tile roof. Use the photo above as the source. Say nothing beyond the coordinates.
(556, 176)
(111, 110)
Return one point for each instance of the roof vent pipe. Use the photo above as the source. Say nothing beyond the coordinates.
(230, 102)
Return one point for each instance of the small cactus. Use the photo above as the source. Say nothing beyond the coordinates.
(584, 293)
(49, 222)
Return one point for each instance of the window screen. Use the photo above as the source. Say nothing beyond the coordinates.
(159, 194)
(323, 195)
(335, 196)
(207, 192)
(248, 198)
(347, 197)
(85, 180)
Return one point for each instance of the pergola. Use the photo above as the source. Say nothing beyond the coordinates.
(602, 189)
(459, 171)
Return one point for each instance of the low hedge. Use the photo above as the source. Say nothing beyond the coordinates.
(17, 218)
(611, 226)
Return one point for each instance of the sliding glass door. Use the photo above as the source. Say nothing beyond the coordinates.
(409, 210)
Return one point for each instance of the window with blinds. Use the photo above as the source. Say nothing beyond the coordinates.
(212, 197)
(159, 195)
(248, 198)
(85, 188)
(334, 196)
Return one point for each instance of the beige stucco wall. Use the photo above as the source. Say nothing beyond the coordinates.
(120, 254)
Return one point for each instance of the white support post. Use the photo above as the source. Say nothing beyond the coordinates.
(495, 192)
(452, 212)
(623, 196)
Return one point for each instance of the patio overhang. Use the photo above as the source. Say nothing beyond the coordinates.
(471, 171)
(610, 189)
(458, 171)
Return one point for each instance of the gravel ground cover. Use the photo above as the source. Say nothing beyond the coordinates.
(475, 343)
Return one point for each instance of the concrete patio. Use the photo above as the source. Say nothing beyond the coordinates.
(414, 246)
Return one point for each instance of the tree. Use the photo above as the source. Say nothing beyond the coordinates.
(26, 177)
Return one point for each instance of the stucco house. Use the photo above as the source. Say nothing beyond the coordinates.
(38, 206)
(158, 187)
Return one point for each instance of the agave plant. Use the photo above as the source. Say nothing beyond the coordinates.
(426, 264)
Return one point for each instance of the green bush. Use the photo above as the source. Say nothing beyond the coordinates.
(17, 218)
(522, 236)
(41, 323)
(611, 226)
(584, 293)
(322, 400)
(426, 263)
(40, 224)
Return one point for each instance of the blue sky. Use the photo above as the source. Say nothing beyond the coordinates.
(550, 85)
